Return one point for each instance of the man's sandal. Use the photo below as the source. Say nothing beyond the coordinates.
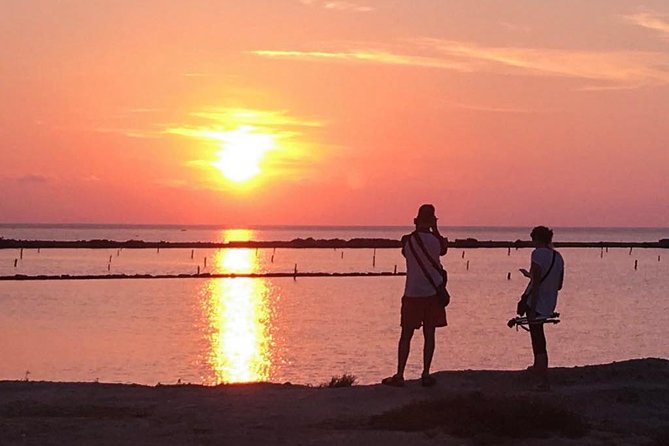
(427, 381)
(394, 381)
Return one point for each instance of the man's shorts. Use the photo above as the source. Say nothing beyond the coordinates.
(419, 311)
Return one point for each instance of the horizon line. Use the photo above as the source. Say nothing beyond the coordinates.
(286, 226)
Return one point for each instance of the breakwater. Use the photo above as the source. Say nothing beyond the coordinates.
(307, 243)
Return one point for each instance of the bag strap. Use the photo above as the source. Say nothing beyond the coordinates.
(421, 264)
(549, 269)
(434, 263)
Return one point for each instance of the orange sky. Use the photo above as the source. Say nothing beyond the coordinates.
(499, 113)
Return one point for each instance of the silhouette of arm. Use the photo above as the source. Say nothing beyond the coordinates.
(404, 240)
(535, 277)
(443, 241)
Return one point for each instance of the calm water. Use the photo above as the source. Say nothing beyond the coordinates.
(306, 330)
(220, 234)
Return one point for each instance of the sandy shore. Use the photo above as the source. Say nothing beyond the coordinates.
(621, 403)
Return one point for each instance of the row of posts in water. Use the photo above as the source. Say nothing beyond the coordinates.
(192, 255)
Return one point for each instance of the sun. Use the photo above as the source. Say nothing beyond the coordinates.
(241, 154)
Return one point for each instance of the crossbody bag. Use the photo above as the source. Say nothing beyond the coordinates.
(441, 291)
(523, 306)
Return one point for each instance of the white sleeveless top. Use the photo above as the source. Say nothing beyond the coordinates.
(548, 289)
(417, 285)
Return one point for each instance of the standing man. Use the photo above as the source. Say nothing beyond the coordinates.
(546, 279)
(420, 304)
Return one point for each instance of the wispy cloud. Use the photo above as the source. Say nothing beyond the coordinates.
(338, 5)
(33, 179)
(28, 179)
(368, 56)
(215, 122)
(610, 69)
(132, 133)
(260, 118)
(625, 68)
(494, 109)
(653, 21)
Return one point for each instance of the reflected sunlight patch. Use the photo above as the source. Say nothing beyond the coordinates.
(239, 317)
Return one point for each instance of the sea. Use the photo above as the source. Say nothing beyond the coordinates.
(304, 330)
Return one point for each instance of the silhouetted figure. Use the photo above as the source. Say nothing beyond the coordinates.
(546, 278)
(420, 304)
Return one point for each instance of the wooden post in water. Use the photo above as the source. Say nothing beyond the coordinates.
(374, 259)
(295, 272)
(198, 270)
(110, 257)
(16, 261)
(158, 250)
(205, 263)
(192, 253)
(108, 266)
(630, 251)
(463, 254)
(342, 254)
(508, 276)
(601, 253)
(658, 258)
(38, 250)
(395, 270)
(508, 251)
(607, 249)
(467, 265)
(21, 254)
(636, 265)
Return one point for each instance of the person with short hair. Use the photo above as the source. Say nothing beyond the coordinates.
(420, 303)
(546, 279)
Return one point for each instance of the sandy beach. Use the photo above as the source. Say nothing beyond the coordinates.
(620, 403)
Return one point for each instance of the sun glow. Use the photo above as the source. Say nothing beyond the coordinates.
(242, 152)
(245, 148)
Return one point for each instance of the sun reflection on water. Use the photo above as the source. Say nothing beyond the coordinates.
(239, 315)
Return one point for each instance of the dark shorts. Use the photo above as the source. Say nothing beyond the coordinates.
(419, 311)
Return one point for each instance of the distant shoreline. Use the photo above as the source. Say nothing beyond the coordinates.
(308, 243)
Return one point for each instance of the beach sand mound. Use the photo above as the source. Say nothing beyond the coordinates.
(620, 403)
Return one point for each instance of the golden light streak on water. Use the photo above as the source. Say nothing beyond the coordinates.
(239, 317)
(237, 235)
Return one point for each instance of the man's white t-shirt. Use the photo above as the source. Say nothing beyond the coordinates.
(548, 289)
(417, 285)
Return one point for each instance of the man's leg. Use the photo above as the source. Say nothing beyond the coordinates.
(540, 353)
(403, 350)
(428, 348)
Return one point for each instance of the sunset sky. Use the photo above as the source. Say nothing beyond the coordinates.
(353, 112)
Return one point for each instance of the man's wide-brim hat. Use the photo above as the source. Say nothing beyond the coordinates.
(425, 214)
